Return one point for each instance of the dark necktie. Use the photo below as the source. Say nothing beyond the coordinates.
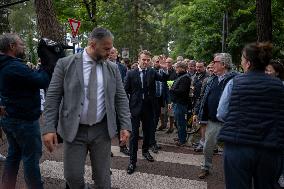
(92, 96)
(159, 87)
(144, 86)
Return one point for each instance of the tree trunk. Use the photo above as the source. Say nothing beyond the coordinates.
(4, 22)
(264, 20)
(47, 22)
(91, 8)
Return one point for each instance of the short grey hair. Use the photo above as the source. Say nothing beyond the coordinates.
(6, 40)
(181, 65)
(226, 59)
(100, 33)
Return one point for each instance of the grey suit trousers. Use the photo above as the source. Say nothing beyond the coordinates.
(95, 140)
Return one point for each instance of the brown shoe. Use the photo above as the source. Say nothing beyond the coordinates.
(203, 174)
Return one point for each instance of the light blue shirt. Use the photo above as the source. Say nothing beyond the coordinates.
(223, 107)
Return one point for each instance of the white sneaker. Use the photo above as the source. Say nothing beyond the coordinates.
(281, 181)
(2, 158)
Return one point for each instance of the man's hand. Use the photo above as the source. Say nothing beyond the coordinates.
(195, 119)
(170, 106)
(124, 136)
(50, 141)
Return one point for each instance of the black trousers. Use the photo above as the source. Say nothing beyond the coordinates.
(146, 116)
(158, 104)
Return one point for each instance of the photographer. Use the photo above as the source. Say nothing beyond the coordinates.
(20, 93)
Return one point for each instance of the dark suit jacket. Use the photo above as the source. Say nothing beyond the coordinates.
(122, 70)
(133, 88)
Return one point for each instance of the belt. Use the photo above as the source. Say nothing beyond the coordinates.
(88, 125)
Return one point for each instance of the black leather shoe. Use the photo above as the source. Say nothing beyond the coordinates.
(154, 149)
(131, 168)
(148, 156)
(158, 146)
(124, 150)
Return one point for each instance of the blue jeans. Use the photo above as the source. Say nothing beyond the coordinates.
(180, 111)
(24, 141)
(245, 164)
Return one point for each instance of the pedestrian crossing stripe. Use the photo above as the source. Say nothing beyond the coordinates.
(170, 157)
(120, 179)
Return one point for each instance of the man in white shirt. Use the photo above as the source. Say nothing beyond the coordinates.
(84, 96)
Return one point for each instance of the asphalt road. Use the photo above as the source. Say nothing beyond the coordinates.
(174, 168)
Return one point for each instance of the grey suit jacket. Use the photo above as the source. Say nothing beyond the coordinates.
(65, 98)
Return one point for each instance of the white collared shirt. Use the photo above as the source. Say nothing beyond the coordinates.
(101, 109)
(141, 78)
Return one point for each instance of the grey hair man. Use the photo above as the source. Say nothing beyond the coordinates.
(208, 107)
(191, 67)
(179, 59)
(88, 123)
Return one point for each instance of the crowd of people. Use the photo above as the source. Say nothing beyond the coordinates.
(93, 96)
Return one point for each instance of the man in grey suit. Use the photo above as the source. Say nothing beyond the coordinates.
(84, 96)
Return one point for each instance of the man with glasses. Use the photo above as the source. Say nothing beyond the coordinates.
(208, 107)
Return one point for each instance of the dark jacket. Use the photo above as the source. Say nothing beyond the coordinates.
(256, 112)
(203, 109)
(122, 70)
(172, 75)
(180, 90)
(19, 88)
(133, 88)
(198, 83)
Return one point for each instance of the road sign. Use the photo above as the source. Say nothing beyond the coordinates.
(74, 40)
(75, 25)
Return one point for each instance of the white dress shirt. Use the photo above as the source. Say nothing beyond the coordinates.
(101, 109)
(141, 78)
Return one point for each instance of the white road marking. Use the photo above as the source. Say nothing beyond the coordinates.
(170, 157)
(122, 180)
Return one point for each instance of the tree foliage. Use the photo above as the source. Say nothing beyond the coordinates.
(198, 27)
(22, 20)
(191, 28)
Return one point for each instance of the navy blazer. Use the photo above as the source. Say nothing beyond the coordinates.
(133, 88)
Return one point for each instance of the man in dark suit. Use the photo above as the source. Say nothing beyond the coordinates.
(122, 70)
(141, 87)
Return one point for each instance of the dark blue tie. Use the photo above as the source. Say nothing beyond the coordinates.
(144, 82)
